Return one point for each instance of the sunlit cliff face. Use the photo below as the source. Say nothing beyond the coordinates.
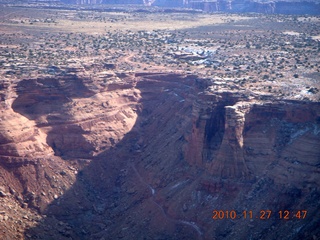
(168, 149)
(77, 121)
(276, 6)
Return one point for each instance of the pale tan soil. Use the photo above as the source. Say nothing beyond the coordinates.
(111, 127)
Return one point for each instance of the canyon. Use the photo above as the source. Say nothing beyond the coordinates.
(162, 150)
(144, 134)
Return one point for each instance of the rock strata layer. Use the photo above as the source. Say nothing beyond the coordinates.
(155, 140)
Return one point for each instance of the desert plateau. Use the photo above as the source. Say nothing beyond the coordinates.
(159, 123)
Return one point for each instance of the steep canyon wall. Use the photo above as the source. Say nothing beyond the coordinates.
(159, 147)
(236, 6)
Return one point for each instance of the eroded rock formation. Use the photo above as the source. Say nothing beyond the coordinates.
(222, 137)
(155, 146)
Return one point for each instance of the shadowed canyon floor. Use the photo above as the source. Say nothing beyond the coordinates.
(123, 136)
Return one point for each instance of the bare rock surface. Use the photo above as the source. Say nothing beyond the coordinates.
(178, 152)
(115, 135)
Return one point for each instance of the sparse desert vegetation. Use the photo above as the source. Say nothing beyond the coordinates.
(259, 52)
(136, 123)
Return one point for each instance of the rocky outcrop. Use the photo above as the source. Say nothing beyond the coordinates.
(261, 7)
(223, 142)
(269, 7)
(46, 121)
(230, 160)
(166, 148)
(277, 6)
(50, 104)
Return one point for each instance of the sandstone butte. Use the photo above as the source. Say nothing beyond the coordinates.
(151, 155)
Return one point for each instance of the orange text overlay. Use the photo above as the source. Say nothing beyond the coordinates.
(262, 214)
